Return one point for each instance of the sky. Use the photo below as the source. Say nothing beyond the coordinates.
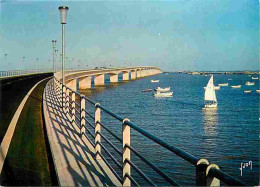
(174, 35)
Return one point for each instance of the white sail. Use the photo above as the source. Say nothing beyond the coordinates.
(210, 94)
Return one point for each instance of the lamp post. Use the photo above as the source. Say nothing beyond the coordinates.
(55, 68)
(63, 15)
(54, 45)
(5, 56)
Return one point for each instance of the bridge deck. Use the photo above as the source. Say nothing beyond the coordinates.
(73, 156)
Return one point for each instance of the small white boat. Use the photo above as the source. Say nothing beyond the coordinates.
(216, 88)
(249, 83)
(163, 94)
(210, 98)
(162, 89)
(255, 78)
(229, 79)
(247, 91)
(236, 86)
(258, 91)
(223, 84)
(154, 80)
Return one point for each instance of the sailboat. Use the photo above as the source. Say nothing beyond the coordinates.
(210, 95)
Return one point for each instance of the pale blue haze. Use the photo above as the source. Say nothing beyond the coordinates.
(173, 35)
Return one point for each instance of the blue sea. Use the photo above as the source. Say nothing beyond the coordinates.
(226, 136)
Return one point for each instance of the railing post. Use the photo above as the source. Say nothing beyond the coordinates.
(212, 181)
(60, 92)
(126, 153)
(67, 100)
(97, 131)
(82, 115)
(201, 179)
(63, 96)
(73, 108)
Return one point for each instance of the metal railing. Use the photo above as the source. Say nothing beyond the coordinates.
(12, 73)
(206, 174)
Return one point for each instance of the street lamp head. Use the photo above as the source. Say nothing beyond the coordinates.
(63, 14)
(53, 43)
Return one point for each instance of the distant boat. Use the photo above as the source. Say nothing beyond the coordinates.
(258, 91)
(223, 84)
(249, 83)
(247, 91)
(163, 94)
(166, 74)
(216, 88)
(154, 80)
(210, 98)
(229, 79)
(162, 89)
(147, 90)
(255, 78)
(237, 86)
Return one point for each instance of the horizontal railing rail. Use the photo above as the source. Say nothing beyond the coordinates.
(11, 73)
(206, 174)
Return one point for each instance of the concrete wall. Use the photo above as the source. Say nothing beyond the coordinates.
(113, 78)
(133, 75)
(72, 84)
(85, 82)
(99, 80)
(125, 76)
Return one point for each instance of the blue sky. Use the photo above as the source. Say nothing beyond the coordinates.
(173, 35)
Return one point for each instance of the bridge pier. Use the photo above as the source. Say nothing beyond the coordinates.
(133, 74)
(125, 76)
(85, 82)
(113, 78)
(99, 80)
(138, 73)
(72, 84)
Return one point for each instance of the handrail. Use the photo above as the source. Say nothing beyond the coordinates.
(113, 134)
(13, 73)
(140, 172)
(186, 156)
(211, 172)
(153, 166)
(226, 178)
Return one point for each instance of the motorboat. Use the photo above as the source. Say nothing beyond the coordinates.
(162, 89)
(236, 86)
(147, 90)
(223, 84)
(229, 79)
(258, 91)
(163, 94)
(249, 83)
(254, 78)
(247, 91)
(155, 80)
(210, 99)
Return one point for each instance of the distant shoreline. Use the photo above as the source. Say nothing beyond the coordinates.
(217, 72)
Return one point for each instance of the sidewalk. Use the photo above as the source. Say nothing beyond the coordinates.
(73, 156)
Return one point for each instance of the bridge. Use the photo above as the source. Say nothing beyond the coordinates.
(78, 141)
